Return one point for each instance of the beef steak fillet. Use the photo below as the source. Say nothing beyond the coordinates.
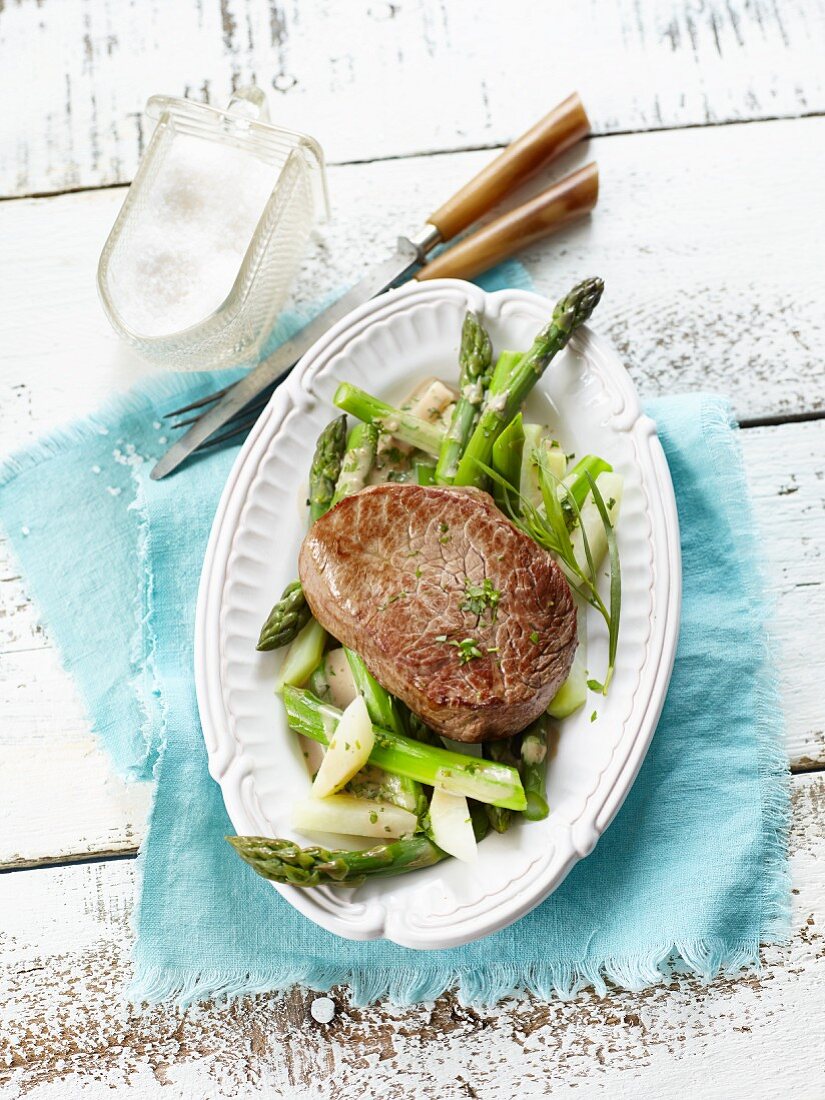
(397, 573)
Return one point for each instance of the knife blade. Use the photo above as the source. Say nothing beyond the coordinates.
(409, 254)
(561, 128)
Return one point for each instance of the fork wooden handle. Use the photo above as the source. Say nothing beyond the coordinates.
(570, 198)
(557, 131)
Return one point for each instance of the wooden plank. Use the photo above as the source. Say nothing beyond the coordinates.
(702, 290)
(378, 79)
(786, 472)
(65, 1030)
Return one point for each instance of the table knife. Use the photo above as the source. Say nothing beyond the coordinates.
(556, 132)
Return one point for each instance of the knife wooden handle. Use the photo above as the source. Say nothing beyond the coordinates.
(557, 131)
(570, 198)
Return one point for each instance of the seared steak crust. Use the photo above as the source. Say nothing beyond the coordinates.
(388, 571)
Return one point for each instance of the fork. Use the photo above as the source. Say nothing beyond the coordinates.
(569, 198)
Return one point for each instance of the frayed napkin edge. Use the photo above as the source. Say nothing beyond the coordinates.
(145, 398)
(722, 437)
(705, 960)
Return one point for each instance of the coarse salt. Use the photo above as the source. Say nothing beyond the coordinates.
(187, 238)
(322, 1009)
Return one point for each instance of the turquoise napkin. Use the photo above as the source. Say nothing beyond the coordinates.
(691, 874)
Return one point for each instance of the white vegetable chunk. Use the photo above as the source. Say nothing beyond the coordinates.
(610, 486)
(340, 684)
(451, 825)
(348, 750)
(529, 486)
(428, 402)
(344, 813)
(536, 438)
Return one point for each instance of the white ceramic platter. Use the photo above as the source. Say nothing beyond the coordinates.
(387, 346)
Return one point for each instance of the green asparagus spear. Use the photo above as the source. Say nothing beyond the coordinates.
(506, 362)
(417, 728)
(424, 473)
(478, 816)
(503, 404)
(326, 466)
(483, 780)
(380, 786)
(383, 711)
(475, 359)
(358, 460)
(403, 425)
(507, 458)
(291, 613)
(502, 753)
(577, 481)
(380, 704)
(283, 861)
(286, 619)
(534, 768)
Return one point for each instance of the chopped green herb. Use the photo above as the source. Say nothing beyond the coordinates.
(419, 572)
(373, 817)
(548, 527)
(480, 598)
(393, 599)
(534, 637)
(611, 504)
(595, 685)
(594, 716)
(467, 650)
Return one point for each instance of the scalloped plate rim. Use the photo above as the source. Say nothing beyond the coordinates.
(227, 762)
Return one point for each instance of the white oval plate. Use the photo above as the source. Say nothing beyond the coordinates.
(386, 346)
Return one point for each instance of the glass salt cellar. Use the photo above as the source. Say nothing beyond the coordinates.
(202, 253)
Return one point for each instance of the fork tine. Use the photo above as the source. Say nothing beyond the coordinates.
(235, 429)
(210, 399)
(253, 406)
(184, 423)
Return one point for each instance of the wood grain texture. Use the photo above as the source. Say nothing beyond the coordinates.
(702, 291)
(51, 320)
(372, 78)
(64, 1031)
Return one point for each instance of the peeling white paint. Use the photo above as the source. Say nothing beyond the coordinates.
(368, 80)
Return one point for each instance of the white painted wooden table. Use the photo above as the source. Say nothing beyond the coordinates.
(709, 235)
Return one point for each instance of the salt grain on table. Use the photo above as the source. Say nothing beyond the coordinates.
(322, 1009)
